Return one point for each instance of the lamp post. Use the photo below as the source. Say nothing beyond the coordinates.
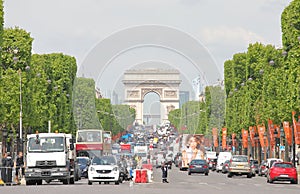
(277, 142)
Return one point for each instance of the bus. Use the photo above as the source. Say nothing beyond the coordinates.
(89, 143)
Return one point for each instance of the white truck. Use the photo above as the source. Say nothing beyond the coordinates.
(49, 156)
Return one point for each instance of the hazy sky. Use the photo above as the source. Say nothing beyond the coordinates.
(93, 31)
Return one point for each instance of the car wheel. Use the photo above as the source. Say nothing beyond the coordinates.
(294, 181)
(117, 182)
(90, 182)
(189, 173)
(206, 174)
(229, 175)
(249, 175)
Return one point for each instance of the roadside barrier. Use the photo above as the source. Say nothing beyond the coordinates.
(144, 176)
(137, 176)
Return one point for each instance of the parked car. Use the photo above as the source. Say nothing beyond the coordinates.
(254, 166)
(225, 166)
(282, 171)
(239, 165)
(198, 166)
(83, 163)
(262, 169)
(104, 169)
(212, 164)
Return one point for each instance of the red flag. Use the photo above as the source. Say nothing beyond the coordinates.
(245, 138)
(224, 135)
(215, 137)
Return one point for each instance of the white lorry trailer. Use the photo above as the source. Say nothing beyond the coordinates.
(49, 156)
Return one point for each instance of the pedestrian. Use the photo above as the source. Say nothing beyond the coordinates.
(8, 164)
(19, 165)
(164, 169)
(3, 167)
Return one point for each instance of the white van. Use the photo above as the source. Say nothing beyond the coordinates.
(222, 157)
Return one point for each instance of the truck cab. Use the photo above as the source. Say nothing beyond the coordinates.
(49, 157)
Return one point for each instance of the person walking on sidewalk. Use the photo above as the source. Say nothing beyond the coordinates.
(19, 166)
(164, 169)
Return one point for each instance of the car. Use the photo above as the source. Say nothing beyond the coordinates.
(254, 166)
(282, 171)
(83, 163)
(262, 169)
(225, 166)
(104, 169)
(222, 157)
(198, 166)
(239, 165)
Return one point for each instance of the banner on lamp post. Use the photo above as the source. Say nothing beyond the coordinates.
(252, 134)
(224, 135)
(296, 126)
(288, 132)
(215, 137)
(245, 138)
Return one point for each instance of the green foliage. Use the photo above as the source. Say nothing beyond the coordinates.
(84, 104)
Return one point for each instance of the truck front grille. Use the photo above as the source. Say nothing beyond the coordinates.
(45, 163)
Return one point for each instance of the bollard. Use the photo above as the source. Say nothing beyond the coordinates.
(137, 176)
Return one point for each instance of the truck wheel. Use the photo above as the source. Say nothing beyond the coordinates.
(39, 182)
(66, 181)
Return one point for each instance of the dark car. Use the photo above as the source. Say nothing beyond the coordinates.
(83, 163)
(212, 164)
(225, 166)
(254, 166)
(198, 166)
(282, 171)
(262, 169)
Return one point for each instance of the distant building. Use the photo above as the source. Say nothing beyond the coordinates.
(184, 96)
(199, 85)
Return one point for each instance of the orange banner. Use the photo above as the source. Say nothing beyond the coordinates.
(224, 135)
(245, 138)
(252, 134)
(215, 137)
(287, 132)
(296, 129)
(271, 133)
(262, 138)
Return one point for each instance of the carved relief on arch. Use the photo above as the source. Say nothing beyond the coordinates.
(156, 90)
(170, 93)
(133, 93)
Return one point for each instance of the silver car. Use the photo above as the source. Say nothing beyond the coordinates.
(239, 165)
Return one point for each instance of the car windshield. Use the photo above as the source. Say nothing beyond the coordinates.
(283, 165)
(104, 161)
(239, 159)
(198, 162)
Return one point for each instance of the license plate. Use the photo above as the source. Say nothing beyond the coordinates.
(284, 175)
(241, 166)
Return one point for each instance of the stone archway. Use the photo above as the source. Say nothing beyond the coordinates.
(164, 82)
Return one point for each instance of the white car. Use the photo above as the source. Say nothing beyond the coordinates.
(104, 169)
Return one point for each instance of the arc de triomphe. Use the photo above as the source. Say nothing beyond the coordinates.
(164, 82)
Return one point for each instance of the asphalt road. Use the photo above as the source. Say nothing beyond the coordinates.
(180, 183)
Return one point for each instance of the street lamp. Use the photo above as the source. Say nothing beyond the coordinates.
(277, 142)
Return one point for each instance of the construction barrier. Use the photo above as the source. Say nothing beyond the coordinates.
(137, 176)
(144, 176)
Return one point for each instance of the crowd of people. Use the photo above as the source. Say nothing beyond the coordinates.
(8, 165)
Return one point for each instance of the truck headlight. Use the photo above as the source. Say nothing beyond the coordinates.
(29, 170)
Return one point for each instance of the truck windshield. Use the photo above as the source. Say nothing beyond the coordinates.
(46, 144)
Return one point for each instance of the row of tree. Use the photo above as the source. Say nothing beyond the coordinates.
(260, 84)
